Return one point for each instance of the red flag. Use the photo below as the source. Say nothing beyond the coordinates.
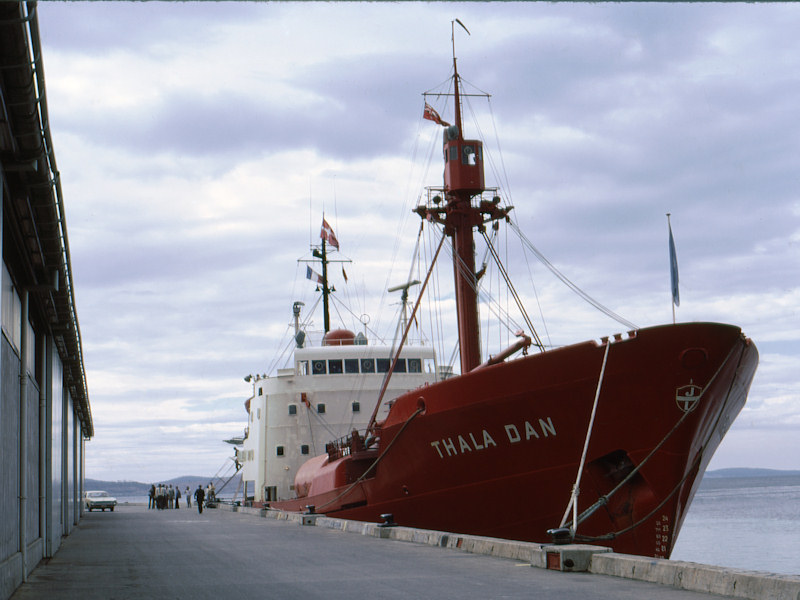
(431, 114)
(327, 234)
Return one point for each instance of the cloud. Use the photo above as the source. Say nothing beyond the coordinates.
(200, 143)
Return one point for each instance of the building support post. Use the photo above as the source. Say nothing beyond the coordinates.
(43, 429)
(23, 436)
(48, 476)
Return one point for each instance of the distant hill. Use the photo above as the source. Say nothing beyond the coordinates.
(745, 472)
(136, 488)
(118, 488)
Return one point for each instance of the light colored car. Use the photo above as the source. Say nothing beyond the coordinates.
(99, 499)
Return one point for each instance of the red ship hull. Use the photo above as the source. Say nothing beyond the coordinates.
(496, 452)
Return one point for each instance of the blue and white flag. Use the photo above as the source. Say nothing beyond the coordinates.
(313, 275)
(673, 269)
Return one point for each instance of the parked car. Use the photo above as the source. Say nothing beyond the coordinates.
(99, 499)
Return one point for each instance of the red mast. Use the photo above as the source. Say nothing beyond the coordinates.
(463, 178)
(463, 181)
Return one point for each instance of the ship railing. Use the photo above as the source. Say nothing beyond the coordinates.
(314, 340)
(356, 441)
(486, 203)
(435, 196)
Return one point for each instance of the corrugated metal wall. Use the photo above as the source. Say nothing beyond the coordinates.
(42, 425)
(62, 458)
(9, 446)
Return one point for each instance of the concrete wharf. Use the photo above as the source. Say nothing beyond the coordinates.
(138, 553)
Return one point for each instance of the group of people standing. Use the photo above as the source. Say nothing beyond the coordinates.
(168, 496)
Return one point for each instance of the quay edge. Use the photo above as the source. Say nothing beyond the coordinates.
(695, 577)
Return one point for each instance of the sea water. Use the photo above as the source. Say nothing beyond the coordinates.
(750, 523)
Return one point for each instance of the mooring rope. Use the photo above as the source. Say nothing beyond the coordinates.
(573, 499)
(603, 500)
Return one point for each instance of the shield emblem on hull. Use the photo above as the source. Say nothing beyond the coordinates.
(687, 396)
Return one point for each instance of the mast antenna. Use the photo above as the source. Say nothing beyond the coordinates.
(404, 298)
(453, 34)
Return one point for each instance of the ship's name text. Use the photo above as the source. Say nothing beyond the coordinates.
(476, 441)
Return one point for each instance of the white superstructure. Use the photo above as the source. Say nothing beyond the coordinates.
(331, 390)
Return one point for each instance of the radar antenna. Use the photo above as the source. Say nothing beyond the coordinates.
(404, 300)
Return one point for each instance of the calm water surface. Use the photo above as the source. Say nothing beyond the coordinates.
(748, 523)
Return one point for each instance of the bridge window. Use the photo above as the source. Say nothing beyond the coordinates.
(383, 365)
(468, 156)
(367, 365)
(351, 365)
(415, 365)
(335, 367)
(318, 367)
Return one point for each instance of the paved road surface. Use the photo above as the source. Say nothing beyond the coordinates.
(177, 554)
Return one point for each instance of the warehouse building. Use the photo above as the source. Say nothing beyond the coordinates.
(45, 416)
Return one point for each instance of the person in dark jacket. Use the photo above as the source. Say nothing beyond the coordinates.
(177, 496)
(199, 496)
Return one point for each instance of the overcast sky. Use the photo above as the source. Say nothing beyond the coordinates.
(200, 143)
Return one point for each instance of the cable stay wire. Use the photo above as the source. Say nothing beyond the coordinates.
(563, 278)
(512, 289)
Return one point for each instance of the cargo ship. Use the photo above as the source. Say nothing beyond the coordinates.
(601, 442)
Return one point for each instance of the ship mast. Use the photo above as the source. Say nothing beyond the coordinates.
(327, 238)
(461, 221)
(326, 291)
(463, 181)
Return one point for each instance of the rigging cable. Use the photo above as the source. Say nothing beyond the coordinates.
(606, 311)
(435, 314)
(405, 334)
(375, 462)
(291, 341)
(537, 339)
(491, 304)
(369, 329)
(399, 326)
(506, 183)
(536, 295)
